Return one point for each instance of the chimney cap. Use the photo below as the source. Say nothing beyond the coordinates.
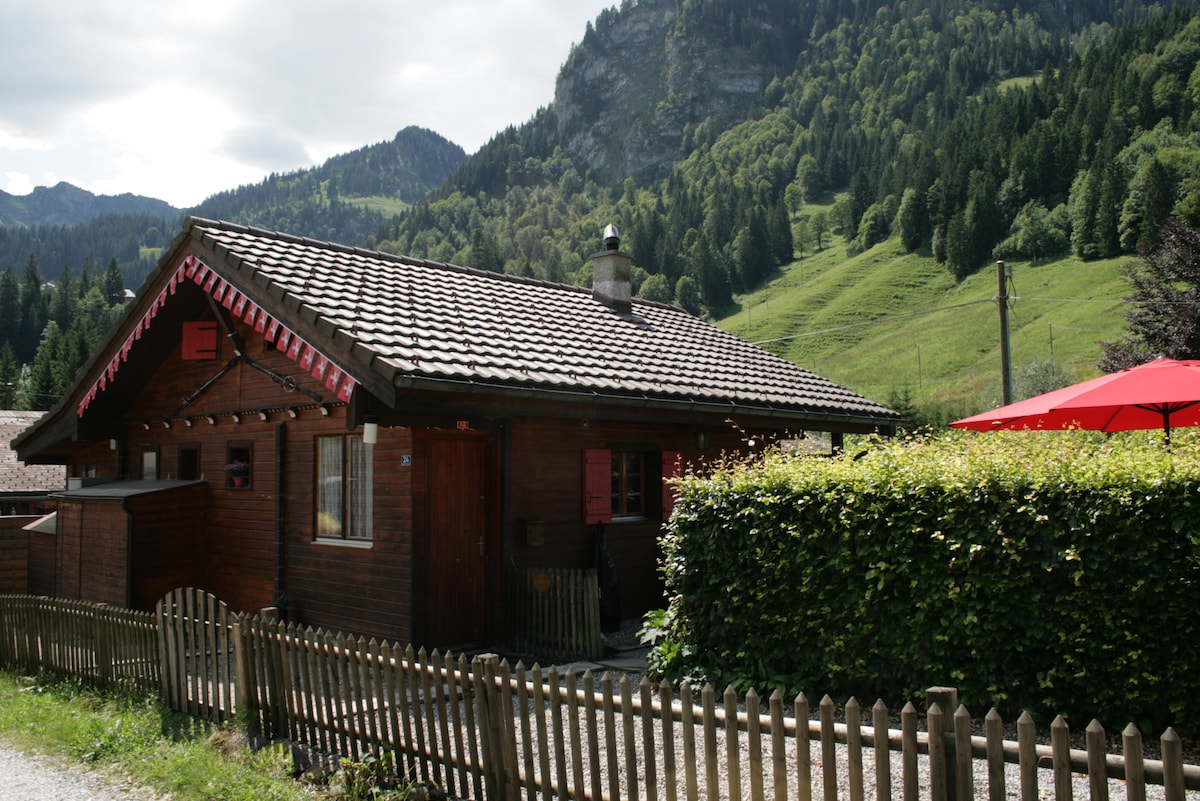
(612, 237)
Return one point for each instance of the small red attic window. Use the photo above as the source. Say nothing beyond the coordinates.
(200, 340)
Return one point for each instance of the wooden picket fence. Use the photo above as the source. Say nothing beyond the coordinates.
(557, 614)
(97, 643)
(485, 729)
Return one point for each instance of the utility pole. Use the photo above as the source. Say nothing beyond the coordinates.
(1002, 274)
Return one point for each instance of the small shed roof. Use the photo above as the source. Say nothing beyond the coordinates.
(120, 490)
(16, 477)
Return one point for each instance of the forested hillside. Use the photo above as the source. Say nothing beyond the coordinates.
(1024, 130)
(344, 199)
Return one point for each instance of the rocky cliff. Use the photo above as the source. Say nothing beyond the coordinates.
(629, 94)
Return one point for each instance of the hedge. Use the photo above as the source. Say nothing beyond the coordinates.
(1056, 572)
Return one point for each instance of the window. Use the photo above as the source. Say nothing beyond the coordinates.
(628, 484)
(239, 465)
(189, 462)
(149, 463)
(345, 489)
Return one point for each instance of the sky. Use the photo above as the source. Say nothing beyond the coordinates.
(178, 100)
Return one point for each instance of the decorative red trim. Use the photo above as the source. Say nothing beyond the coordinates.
(323, 368)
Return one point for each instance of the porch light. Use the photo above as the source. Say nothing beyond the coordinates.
(370, 431)
(701, 440)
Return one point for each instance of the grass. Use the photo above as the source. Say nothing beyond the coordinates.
(131, 735)
(891, 324)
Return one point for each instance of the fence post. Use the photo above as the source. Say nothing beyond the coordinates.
(243, 707)
(101, 647)
(946, 699)
(495, 740)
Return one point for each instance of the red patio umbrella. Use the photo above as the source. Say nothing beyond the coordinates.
(1163, 393)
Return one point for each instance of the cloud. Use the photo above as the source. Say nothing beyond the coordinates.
(180, 100)
(265, 149)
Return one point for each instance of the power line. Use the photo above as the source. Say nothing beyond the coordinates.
(1084, 300)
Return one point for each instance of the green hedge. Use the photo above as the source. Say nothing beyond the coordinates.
(1053, 572)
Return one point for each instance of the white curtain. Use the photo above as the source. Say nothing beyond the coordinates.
(330, 482)
(361, 492)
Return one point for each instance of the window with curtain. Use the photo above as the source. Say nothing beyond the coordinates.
(345, 489)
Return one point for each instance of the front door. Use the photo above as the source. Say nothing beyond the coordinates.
(458, 536)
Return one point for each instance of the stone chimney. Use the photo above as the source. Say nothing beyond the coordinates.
(611, 281)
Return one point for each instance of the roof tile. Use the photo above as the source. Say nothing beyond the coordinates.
(428, 320)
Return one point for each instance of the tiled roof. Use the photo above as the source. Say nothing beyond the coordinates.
(421, 320)
(18, 478)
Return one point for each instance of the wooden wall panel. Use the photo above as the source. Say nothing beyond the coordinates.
(547, 481)
(168, 544)
(68, 563)
(104, 552)
(14, 554)
(42, 573)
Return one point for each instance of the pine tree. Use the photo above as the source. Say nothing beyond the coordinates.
(10, 309)
(32, 315)
(9, 373)
(1164, 310)
(114, 284)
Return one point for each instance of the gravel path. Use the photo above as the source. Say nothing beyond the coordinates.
(29, 776)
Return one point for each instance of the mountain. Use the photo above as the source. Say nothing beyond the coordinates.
(347, 198)
(65, 204)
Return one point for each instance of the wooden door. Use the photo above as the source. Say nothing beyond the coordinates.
(458, 537)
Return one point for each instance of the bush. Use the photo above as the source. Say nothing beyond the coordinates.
(1057, 572)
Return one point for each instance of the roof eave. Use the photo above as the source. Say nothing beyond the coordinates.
(845, 421)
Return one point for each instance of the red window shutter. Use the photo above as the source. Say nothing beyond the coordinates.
(672, 467)
(597, 486)
(200, 340)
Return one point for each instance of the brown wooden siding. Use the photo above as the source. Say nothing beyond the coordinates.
(14, 554)
(93, 552)
(367, 590)
(241, 549)
(168, 543)
(67, 558)
(42, 573)
(547, 479)
(95, 459)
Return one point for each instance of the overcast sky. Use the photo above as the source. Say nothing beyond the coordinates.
(177, 99)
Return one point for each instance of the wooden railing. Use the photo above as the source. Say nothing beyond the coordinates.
(485, 729)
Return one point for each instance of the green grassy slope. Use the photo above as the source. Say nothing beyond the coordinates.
(887, 323)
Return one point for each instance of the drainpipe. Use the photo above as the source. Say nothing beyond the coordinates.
(280, 504)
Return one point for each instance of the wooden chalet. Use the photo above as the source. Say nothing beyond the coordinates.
(414, 434)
